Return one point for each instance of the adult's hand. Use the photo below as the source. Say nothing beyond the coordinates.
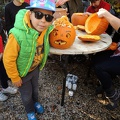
(60, 2)
(102, 12)
(113, 20)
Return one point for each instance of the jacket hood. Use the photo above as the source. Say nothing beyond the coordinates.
(22, 20)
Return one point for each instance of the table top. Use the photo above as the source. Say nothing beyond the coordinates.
(80, 47)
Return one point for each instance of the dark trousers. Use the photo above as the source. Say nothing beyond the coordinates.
(3, 76)
(29, 90)
(106, 67)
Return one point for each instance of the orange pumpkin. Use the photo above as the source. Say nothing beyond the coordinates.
(113, 46)
(95, 25)
(62, 37)
(78, 19)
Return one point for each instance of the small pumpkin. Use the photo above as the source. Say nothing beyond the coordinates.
(113, 46)
(92, 38)
(95, 25)
(63, 35)
(78, 19)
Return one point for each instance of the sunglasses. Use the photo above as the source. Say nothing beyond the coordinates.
(40, 15)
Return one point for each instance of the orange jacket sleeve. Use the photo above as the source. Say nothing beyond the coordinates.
(9, 58)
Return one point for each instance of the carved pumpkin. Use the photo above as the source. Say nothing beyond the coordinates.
(63, 35)
(95, 25)
(78, 19)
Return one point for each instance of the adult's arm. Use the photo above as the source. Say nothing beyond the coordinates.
(114, 21)
(60, 2)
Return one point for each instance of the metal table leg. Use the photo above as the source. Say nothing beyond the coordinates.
(63, 64)
(64, 67)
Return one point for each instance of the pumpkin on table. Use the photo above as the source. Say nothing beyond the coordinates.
(95, 25)
(113, 46)
(78, 19)
(63, 34)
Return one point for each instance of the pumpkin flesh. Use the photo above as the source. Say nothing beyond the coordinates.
(92, 38)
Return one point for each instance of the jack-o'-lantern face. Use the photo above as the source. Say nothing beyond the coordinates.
(62, 37)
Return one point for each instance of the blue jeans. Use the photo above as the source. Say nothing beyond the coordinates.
(106, 67)
(29, 90)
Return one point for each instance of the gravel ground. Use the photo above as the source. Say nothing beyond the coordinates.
(84, 105)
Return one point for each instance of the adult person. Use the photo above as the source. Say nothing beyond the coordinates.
(109, 65)
(86, 3)
(27, 49)
(11, 10)
(94, 7)
(74, 6)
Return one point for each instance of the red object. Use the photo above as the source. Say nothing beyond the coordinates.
(102, 4)
(27, 1)
(1, 45)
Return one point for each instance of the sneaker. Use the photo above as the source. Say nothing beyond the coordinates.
(3, 97)
(31, 116)
(113, 99)
(10, 90)
(38, 108)
(1, 117)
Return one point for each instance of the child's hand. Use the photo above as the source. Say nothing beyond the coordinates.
(18, 84)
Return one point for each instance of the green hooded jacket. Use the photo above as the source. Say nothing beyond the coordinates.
(27, 40)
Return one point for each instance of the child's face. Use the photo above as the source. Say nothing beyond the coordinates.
(41, 19)
(96, 3)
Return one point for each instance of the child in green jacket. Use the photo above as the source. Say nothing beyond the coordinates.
(27, 49)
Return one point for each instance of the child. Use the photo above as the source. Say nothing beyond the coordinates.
(11, 9)
(95, 5)
(4, 77)
(2, 96)
(27, 49)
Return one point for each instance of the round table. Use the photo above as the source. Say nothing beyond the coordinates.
(80, 47)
